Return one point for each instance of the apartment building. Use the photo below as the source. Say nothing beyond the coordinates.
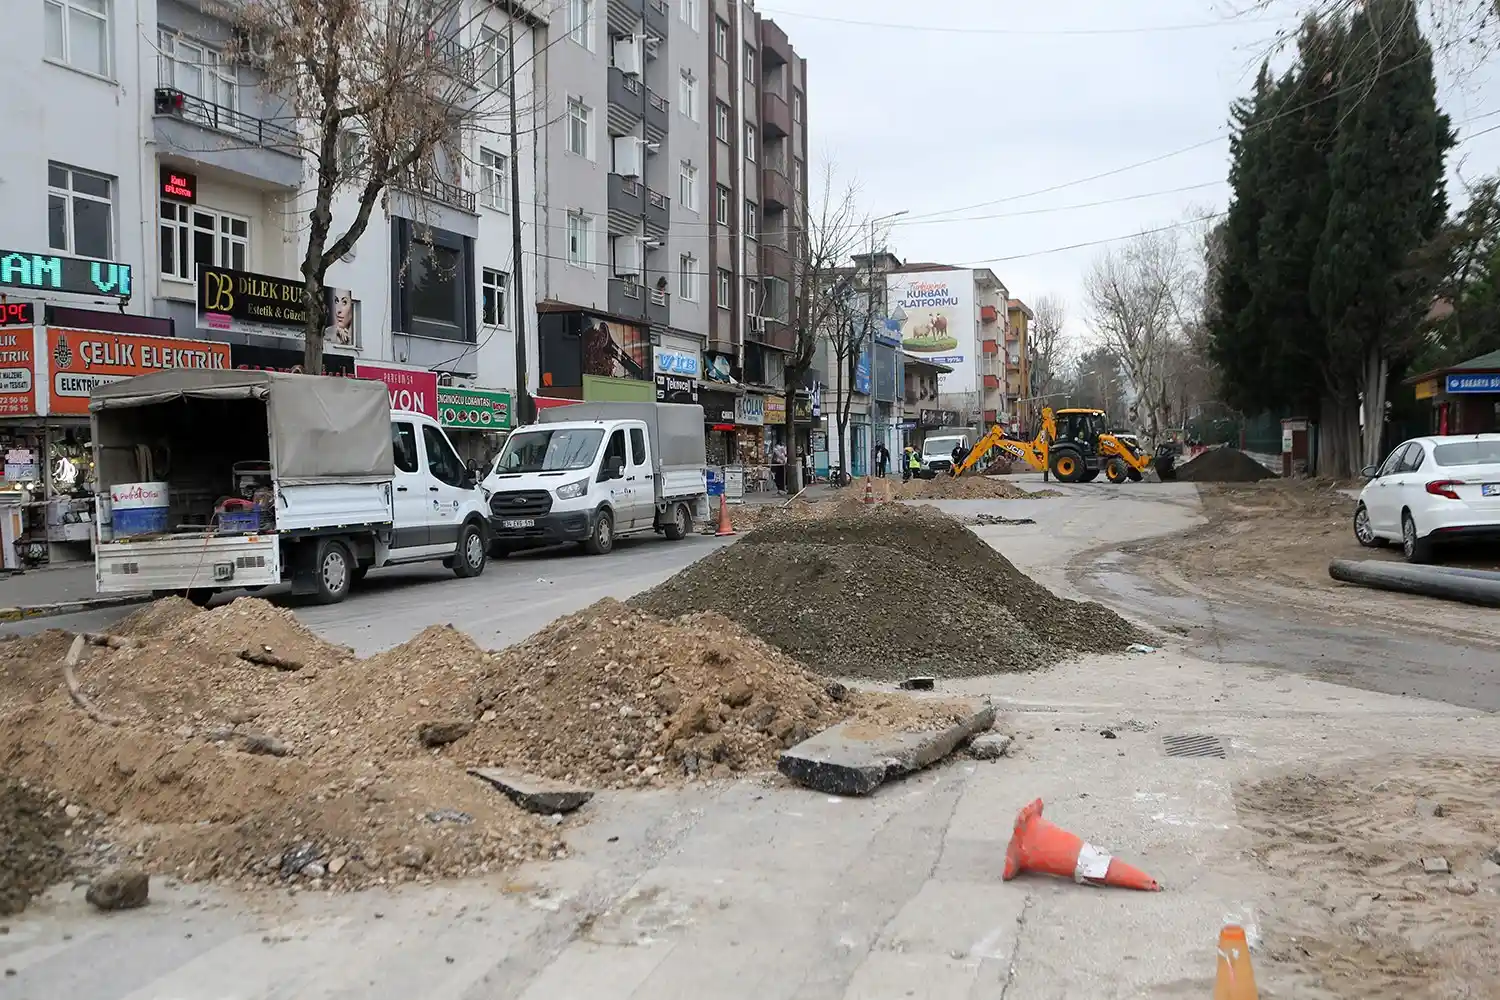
(1017, 360)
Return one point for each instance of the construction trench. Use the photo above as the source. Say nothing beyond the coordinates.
(234, 751)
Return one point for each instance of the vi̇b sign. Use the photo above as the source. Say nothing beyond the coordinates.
(37, 272)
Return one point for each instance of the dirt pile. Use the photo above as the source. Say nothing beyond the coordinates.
(32, 855)
(1223, 465)
(616, 696)
(306, 768)
(966, 487)
(885, 594)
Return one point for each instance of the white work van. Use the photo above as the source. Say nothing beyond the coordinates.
(594, 472)
(260, 478)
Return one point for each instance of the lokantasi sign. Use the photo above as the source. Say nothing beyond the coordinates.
(412, 389)
(82, 360)
(474, 409)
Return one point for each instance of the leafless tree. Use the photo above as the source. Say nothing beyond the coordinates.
(1140, 295)
(1045, 352)
(382, 93)
(822, 241)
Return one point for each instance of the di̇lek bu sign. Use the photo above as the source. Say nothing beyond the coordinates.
(38, 272)
(242, 300)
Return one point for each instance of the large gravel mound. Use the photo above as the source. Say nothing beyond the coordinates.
(1224, 465)
(897, 591)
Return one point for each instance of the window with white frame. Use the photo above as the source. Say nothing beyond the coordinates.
(494, 58)
(351, 151)
(76, 33)
(687, 186)
(80, 212)
(750, 142)
(687, 95)
(688, 11)
(749, 69)
(752, 219)
(581, 22)
(494, 180)
(493, 287)
(721, 121)
(193, 235)
(796, 105)
(752, 297)
(687, 278)
(580, 240)
(722, 198)
(721, 38)
(580, 128)
(726, 288)
(199, 71)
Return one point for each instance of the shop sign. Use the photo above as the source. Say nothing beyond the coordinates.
(51, 273)
(412, 389)
(1426, 389)
(750, 411)
(775, 410)
(1489, 382)
(718, 407)
(179, 185)
(17, 314)
(937, 418)
(862, 373)
(676, 389)
(83, 361)
(802, 409)
(670, 362)
(473, 409)
(17, 374)
(253, 357)
(246, 302)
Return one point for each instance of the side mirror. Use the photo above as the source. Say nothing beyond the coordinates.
(617, 468)
(1369, 472)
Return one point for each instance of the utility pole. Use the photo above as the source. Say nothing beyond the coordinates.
(525, 413)
(870, 323)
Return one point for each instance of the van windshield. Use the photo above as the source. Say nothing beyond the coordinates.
(939, 447)
(550, 450)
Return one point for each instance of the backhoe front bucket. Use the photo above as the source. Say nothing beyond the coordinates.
(1166, 466)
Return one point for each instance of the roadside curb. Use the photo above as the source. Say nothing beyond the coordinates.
(68, 607)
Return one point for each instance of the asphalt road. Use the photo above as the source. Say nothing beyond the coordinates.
(512, 599)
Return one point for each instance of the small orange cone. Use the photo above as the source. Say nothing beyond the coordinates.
(1235, 979)
(869, 491)
(1039, 846)
(725, 528)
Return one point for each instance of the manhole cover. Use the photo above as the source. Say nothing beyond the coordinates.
(1191, 745)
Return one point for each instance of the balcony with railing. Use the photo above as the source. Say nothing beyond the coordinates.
(776, 189)
(775, 116)
(658, 113)
(454, 58)
(659, 307)
(627, 298)
(658, 17)
(658, 210)
(267, 149)
(625, 91)
(436, 189)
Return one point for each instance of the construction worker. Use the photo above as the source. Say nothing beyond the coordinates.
(913, 464)
(959, 454)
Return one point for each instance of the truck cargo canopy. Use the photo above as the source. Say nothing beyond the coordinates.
(322, 429)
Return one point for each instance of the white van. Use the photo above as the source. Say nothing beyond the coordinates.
(594, 472)
(260, 478)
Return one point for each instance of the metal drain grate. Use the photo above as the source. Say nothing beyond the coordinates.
(1190, 745)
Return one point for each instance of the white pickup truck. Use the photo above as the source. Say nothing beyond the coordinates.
(594, 472)
(264, 478)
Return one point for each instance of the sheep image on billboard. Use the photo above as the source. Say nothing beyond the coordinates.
(932, 312)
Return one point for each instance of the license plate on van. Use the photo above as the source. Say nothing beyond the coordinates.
(525, 522)
(1490, 490)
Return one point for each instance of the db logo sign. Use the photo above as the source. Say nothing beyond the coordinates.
(217, 290)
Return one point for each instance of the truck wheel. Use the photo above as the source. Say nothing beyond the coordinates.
(681, 523)
(333, 571)
(1067, 467)
(602, 539)
(470, 558)
(1115, 471)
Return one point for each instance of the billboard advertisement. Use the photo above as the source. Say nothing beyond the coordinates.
(933, 312)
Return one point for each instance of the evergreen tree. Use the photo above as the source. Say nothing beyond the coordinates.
(1385, 203)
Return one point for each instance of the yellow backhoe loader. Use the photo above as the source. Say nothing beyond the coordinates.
(1033, 452)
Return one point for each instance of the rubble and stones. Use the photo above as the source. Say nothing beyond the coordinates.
(32, 857)
(948, 604)
(126, 888)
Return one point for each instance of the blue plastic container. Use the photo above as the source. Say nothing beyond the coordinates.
(239, 521)
(131, 521)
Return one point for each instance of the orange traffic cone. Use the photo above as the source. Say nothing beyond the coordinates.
(869, 491)
(1038, 846)
(1235, 979)
(725, 528)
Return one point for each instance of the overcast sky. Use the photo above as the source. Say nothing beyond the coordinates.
(961, 109)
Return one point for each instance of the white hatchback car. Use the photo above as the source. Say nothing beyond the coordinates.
(1432, 490)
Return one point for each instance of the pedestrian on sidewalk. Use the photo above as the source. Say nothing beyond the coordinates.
(882, 459)
(778, 466)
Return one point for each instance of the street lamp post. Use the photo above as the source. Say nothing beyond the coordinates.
(870, 306)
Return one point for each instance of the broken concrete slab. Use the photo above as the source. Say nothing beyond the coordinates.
(990, 746)
(536, 795)
(855, 758)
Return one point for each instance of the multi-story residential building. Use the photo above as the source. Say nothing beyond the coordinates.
(1017, 360)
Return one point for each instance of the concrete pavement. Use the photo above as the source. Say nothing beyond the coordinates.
(756, 889)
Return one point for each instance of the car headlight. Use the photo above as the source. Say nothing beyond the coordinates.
(573, 490)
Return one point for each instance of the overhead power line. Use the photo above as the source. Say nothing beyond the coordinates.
(943, 29)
